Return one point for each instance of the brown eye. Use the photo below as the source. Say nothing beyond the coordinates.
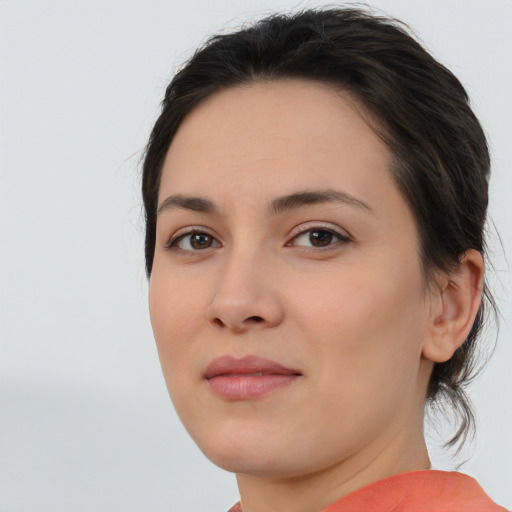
(320, 238)
(195, 241)
(200, 241)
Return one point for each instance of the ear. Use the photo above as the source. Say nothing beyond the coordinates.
(454, 305)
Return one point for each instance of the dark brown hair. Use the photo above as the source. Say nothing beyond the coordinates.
(441, 160)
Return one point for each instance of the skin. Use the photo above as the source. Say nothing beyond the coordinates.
(354, 317)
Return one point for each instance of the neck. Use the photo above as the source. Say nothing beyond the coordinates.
(313, 492)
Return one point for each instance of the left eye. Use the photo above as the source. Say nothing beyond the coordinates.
(318, 238)
(194, 241)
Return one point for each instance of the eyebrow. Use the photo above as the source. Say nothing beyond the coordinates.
(307, 197)
(278, 205)
(195, 204)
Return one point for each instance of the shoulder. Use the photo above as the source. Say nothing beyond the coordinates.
(416, 491)
(420, 491)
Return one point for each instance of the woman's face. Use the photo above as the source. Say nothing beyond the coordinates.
(287, 298)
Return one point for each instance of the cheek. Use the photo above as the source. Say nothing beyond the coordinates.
(177, 313)
(363, 334)
(366, 323)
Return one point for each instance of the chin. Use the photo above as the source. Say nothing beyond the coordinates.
(239, 455)
(259, 466)
(262, 456)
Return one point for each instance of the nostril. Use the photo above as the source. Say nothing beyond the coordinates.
(218, 322)
(237, 324)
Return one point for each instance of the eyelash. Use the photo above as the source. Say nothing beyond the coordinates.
(341, 239)
(337, 238)
(175, 240)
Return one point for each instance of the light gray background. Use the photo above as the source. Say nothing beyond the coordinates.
(86, 424)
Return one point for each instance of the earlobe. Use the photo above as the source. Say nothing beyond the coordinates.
(454, 307)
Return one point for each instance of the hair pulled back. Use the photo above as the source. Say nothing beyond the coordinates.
(422, 112)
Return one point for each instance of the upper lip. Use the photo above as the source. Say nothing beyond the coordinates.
(229, 365)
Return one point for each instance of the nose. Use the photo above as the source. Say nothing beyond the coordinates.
(246, 296)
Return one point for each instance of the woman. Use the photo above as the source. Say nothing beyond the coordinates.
(315, 192)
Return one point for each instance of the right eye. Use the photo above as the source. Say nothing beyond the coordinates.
(193, 241)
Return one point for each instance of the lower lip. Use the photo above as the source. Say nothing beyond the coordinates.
(249, 387)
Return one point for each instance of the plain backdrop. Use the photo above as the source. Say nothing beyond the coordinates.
(85, 421)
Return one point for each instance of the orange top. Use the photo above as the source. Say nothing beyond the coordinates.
(416, 491)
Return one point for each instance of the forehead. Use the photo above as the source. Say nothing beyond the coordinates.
(281, 135)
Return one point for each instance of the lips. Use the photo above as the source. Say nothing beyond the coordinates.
(247, 378)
